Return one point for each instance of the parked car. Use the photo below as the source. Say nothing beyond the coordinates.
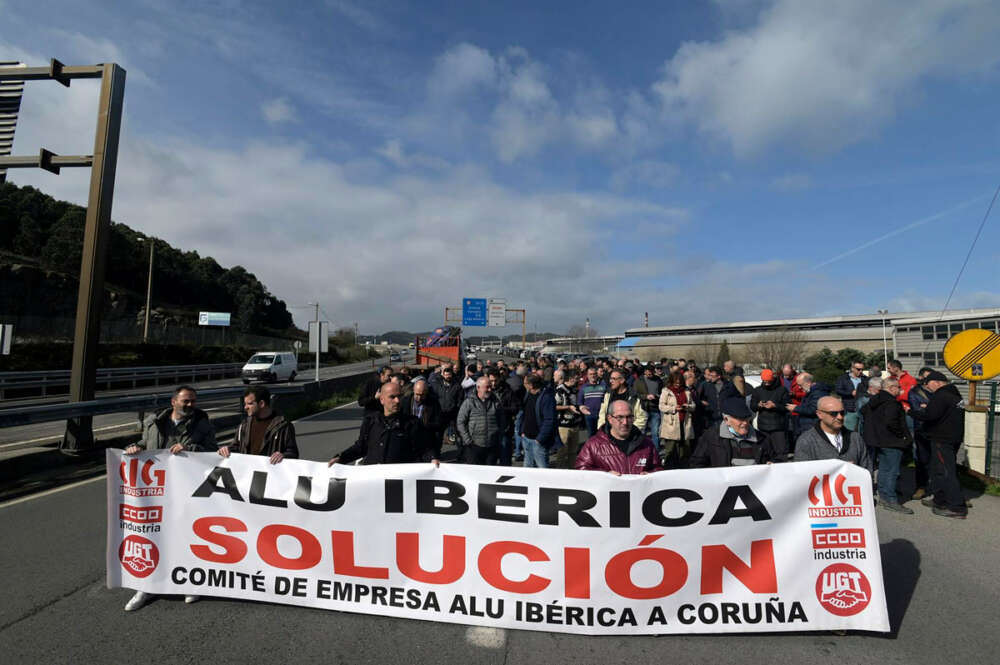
(394, 357)
(271, 366)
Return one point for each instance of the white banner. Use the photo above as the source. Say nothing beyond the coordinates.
(786, 547)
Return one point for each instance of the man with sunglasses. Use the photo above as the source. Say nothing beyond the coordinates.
(829, 439)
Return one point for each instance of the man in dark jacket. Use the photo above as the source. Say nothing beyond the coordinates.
(449, 393)
(368, 399)
(511, 404)
(264, 431)
(806, 411)
(422, 404)
(886, 431)
(769, 401)
(918, 399)
(709, 400)
(387, 437)
(944, 426)
(619, 447)
(849, 387)
(734, 441)
(481, 424)
(538, 424)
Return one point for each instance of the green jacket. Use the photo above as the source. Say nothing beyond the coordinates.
(194, 432)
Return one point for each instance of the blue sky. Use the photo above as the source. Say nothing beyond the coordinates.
(703, 162)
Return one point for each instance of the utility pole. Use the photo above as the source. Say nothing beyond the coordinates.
(149, 294)
(355, 333)
(319, 344)
(885, 342)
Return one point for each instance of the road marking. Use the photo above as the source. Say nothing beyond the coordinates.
(342, 406)
(487, 638)
(14, 502)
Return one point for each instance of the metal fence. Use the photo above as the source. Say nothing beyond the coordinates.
(993, 433)
(40, 328)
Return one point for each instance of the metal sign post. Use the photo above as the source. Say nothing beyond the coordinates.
(79, 431)
(6, 338)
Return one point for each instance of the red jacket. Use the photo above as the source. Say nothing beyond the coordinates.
(600, 453)
(906, 382)
(795, 391)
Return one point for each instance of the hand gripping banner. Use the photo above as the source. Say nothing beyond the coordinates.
(785, 547)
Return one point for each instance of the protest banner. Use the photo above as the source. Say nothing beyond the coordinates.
(785, 547)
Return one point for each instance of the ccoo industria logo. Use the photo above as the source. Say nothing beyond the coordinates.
(832, 499)
(147, 482)
(139, 556)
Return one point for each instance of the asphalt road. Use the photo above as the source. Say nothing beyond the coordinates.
(940, 574)
(40, 434)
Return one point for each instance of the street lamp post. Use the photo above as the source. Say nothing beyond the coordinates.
(885, 343)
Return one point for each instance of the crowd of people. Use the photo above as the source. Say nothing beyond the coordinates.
(621, 417)
(624, 416)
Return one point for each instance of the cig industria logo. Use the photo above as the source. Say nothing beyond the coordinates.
(147, 482)
(833, 498)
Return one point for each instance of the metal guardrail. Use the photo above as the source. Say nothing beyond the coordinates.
(30, 415)
(118, 376)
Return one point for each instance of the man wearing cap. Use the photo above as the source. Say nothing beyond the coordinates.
(944, 426)
(734, 441)
(769, 401)
(829, 439)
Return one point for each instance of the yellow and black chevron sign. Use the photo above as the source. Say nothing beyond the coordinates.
(973, 355)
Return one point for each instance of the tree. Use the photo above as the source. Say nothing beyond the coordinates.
(64, 249)
(723, 354)
(775, 348)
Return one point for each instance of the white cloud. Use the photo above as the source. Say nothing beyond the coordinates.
(278, 110)
(825, 74)
(461, 69)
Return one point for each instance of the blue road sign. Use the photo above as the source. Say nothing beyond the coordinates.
(474, 312)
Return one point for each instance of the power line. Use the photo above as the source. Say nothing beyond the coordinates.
(982, 224)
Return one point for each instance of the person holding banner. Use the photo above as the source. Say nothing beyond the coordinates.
(264, 431)
(619, 447)
(388, 436)
(734, 441)
(179, 428)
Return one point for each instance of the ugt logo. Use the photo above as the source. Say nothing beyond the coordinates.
(823, 504)
(152, 481)
(139, 556)
(843, 590)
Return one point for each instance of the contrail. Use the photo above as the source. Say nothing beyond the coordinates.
(901, 229)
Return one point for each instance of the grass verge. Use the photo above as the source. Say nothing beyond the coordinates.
(978, 482)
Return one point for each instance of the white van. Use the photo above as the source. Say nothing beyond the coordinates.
(271, 366)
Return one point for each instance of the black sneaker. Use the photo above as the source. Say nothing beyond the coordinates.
(895, 506)
(928, 501)
(947, 512)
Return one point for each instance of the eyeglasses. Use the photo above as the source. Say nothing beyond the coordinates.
(833, 413)
(623, 417)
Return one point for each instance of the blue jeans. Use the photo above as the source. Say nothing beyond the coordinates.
(592, 422)
(518, 444)
(654, 426)
(534, 454)
(888, 472)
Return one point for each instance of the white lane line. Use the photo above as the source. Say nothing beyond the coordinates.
(320, 413)
(14, 502)
(487, 638)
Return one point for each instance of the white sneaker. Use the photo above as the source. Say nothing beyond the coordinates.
(138, 600)
(191, 599)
